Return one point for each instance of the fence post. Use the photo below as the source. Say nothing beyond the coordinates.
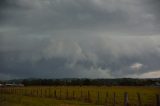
(49, 90)
(114, 99)
(37, 92)
(73, 95)
(21, 93)
(106, 101)
(31, 92)
(125, 99)
(89, 97)
(60, 94)
(25, 92)
(55, 94)
(45, 92)
(14, 91)
(81, 95)
(158, 99)
(139, 99)
(67, 94)
(17, 91)
(98, 98)
(41, 92)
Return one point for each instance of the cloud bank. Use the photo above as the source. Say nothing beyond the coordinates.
(79, 38)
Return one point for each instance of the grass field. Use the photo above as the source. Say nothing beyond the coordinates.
(78, 96)
(17, 100)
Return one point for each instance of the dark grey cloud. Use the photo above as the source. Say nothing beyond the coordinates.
(153, 8)
(79, 38)
(92, 14)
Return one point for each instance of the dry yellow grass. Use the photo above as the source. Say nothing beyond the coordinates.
(93, 94)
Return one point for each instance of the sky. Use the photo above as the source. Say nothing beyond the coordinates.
(79, 39)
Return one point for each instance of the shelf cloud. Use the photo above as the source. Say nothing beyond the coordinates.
(79, 38)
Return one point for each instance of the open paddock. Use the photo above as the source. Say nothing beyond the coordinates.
(95, 95)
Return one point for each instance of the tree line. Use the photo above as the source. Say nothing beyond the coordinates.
(86, 82)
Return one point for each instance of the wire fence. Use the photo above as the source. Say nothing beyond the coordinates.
(102, 98)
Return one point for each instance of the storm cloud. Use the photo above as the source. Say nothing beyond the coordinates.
(79, 38)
